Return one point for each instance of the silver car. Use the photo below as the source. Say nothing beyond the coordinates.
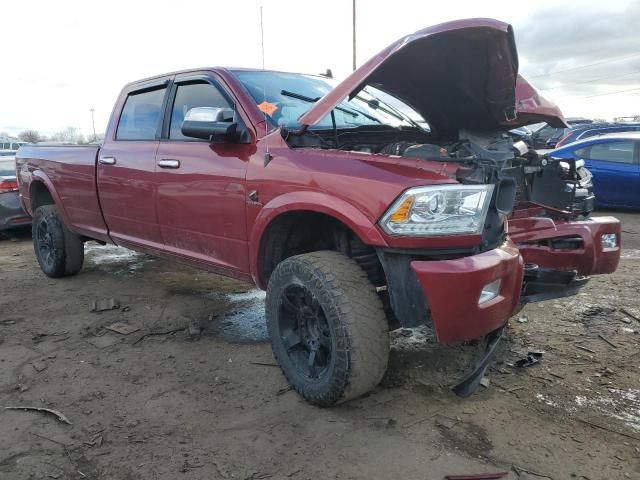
(11, 212)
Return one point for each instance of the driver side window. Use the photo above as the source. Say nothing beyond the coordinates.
(192, 95)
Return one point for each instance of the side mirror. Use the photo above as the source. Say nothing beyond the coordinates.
(211, 123)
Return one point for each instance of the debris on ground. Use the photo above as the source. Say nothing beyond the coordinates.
(523, 319)
(194, 328)
(155, 334)
(122, 328)
(39, 365)
(602, 337)
(104, 305)
(531, 359)
(485, 382)
(478, 476)
(59, 415)
(631, 314)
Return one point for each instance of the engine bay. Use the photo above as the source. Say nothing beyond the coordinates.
(522, 176)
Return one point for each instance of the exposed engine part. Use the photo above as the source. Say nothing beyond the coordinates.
(519, 174)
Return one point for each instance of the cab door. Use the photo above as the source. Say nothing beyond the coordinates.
(126, 167)
(201, 197)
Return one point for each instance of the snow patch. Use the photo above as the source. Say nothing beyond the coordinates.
(114, 259)
(245, 320)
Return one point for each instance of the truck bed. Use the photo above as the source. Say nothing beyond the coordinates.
(72, 170)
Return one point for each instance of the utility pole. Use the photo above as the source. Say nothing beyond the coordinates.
(93, 123)
(354, 34)
(262, 37)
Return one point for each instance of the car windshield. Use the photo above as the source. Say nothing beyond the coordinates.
(284, 97)
(7, 167)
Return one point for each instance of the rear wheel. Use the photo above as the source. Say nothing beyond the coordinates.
(328, 328)
(59, 251)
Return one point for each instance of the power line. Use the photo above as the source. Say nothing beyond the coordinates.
(584, 66)
(613, 93)
(635, 72)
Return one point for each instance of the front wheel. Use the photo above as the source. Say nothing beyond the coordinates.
(59, 251)
(328, 329)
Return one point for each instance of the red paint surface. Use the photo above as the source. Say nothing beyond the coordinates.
(453, 289)
(528, 233)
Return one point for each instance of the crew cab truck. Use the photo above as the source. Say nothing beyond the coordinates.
(338, 200)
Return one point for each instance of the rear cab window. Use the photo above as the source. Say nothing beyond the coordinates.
(141, 115)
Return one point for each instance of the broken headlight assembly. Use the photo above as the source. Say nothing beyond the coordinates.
(439, 210)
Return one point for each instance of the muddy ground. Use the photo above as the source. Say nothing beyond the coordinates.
(193, 393)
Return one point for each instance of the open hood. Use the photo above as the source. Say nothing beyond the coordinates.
(456, 75)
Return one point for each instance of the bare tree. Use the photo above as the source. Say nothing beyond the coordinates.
(31, 136)
(68, 135)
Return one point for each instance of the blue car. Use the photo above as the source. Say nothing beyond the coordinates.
(613, 160)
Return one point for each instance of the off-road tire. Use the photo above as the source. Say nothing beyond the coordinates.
(59, 251)
(354, 314)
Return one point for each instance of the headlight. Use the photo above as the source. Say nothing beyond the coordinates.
(438, 210)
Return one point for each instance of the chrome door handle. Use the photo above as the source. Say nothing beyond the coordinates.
(166, 163)
(107, 160)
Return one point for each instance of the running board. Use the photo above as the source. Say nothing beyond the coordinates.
(471, 382)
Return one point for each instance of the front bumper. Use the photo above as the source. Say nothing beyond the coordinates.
(567, 246)
(12, 214)
(453, 288)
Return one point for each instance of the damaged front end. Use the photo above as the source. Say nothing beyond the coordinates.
(443, 100)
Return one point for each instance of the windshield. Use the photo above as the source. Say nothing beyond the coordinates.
(284, 97)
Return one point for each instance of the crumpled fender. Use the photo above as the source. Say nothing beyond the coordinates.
(313, 202)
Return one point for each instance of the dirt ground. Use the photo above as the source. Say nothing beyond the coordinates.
(194, 394)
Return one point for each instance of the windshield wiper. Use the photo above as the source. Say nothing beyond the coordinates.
(304, 98)
(388, 109)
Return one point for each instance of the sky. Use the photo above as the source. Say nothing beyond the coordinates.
(63, 58)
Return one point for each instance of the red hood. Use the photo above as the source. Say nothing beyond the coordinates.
(456, 75)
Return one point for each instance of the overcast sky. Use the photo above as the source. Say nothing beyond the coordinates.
(63, 57)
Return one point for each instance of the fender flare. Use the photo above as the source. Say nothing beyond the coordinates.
(40, 176)
(307, 201)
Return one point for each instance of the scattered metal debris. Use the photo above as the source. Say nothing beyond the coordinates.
(122, 328)
(152, 334)
(59, 415)
(264, 364)
(629, 314)
(485, 382)
(520, 470)
(478, 476)
(531, 359)
(602, 337)
(194, 328)
(582, 347)
(104, 304)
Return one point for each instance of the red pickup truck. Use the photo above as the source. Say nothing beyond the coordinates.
(394, 198)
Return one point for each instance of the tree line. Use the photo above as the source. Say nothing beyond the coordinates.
(66, 135)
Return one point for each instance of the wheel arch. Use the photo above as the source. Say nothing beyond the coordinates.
(43, 192)
(306, 206)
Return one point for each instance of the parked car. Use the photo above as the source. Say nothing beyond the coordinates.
(547, 135)
(12, 213)
(585, 131)
(352, 217)
(614, 162)
(10, 147)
